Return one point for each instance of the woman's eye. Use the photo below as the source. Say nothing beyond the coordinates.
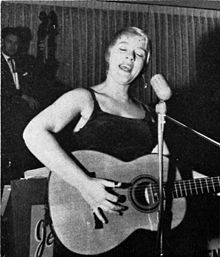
(122, 49)
(140, 54)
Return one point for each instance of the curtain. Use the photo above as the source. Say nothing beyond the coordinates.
(179, 39)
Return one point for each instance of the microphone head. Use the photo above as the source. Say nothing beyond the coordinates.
(161, 87)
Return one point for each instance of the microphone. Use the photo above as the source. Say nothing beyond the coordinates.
(161, 87)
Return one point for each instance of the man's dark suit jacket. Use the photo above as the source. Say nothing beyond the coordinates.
(15, 114)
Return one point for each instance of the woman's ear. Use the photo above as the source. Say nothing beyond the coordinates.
(148, 58)
(149, 49)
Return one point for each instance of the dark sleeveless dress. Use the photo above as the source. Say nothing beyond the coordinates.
(125, 139)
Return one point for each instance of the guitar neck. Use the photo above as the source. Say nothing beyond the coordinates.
(184, 188)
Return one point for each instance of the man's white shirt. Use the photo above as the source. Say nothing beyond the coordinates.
(14, 74)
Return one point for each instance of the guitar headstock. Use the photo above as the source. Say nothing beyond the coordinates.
(42, 29)
(46, 43)
(52, 23)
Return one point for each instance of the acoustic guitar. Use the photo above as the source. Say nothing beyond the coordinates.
(81, 232)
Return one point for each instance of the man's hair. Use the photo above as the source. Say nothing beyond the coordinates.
(9, 31)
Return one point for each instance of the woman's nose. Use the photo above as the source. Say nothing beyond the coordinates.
(130, 56)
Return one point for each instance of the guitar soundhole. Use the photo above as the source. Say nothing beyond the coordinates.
(143, 193)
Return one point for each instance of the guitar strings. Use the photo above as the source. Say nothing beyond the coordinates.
(193, 185)
(208, 184)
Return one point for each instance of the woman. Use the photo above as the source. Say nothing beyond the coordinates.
(109, 121)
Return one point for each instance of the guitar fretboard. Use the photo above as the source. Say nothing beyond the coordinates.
(184, 188)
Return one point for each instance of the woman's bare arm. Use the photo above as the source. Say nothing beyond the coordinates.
(38, 135)
(39, 138)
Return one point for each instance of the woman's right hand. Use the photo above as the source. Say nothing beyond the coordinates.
(95, 194)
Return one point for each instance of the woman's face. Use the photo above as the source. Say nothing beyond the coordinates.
(127, 58)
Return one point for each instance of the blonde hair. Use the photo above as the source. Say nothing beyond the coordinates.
(129, 31)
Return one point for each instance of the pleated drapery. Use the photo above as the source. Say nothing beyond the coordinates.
(85, 30)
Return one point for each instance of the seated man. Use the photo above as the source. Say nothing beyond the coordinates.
(18, 107)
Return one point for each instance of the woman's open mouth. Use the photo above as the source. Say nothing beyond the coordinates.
(125, 67)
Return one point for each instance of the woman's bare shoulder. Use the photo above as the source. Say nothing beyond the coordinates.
(79, 92)
(71, 104)
(78, 96)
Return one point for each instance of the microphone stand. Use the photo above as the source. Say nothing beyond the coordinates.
(161, 113)
(214, 142)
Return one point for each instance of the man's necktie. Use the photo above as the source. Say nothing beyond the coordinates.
(12, 63)
(14, 72)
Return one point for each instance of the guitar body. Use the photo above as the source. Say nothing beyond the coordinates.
(73, 220)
